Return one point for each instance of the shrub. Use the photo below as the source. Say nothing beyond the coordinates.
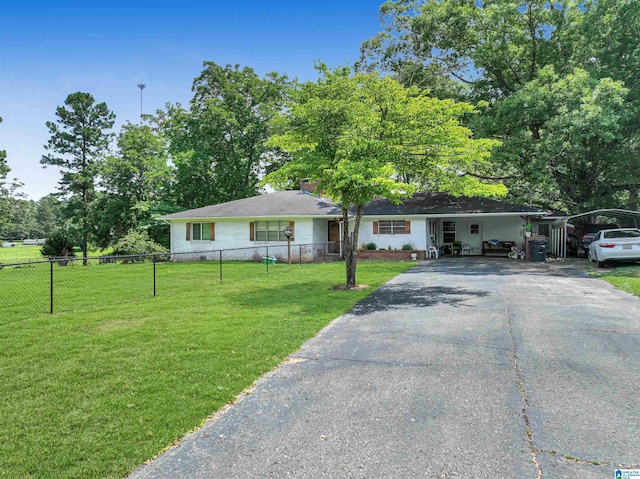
(137, 242)
(59, 243)
(371, 246)
(407, 247)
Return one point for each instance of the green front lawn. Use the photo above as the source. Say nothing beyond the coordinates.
(20, 253)
(99, 389)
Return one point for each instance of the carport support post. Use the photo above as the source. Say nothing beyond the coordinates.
(50, 287)
(300, 257)
(220, 266)
(266, 259)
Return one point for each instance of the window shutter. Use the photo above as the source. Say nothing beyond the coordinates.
(188, 231)
(293, 229)
(252, 235)
(407, 227)
(212, 228)
(375, 227)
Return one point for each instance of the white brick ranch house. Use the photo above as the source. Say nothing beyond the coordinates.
(250, 224)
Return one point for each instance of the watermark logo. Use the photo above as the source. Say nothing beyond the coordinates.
(627, 473)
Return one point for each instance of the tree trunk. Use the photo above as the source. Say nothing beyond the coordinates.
(632, 203)
(351, 248)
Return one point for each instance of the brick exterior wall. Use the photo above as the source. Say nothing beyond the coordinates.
(392, 255)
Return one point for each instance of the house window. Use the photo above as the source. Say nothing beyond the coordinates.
(448, 231)
(271, 230)
(543, 229)
(392, 227)
(201, 231)
(475, 229)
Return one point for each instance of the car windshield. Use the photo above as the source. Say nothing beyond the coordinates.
(622, 234)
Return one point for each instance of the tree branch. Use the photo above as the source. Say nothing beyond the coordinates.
(492, 178)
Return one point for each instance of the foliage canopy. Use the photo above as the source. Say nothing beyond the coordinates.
(364, 137)
(559, 82)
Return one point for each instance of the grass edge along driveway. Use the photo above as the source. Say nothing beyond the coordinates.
(96, 392)
(624, 276)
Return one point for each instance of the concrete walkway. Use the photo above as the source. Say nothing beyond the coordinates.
(456, 369)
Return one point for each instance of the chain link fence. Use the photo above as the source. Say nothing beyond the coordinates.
(75, 283)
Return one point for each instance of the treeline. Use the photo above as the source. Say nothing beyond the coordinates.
(214, 150)
(551, 87)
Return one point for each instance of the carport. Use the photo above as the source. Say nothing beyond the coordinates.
(558, 234)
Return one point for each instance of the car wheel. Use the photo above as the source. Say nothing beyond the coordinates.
(598, 262)
(589, 256)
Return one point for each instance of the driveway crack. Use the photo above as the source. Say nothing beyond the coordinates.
(378, 362)
(523, 393)
(587, 461)
(608, 331)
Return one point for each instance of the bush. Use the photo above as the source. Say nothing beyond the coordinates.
(59, 243)
(137, 243)
(407, 247)
(371, 246)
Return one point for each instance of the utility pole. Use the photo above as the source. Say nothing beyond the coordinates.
(142, 86)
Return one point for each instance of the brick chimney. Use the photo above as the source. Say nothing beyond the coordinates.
(309, 187)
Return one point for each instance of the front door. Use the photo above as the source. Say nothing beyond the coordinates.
(333, 237)
(475, 236)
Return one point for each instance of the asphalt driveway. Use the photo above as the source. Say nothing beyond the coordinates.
(456, 369)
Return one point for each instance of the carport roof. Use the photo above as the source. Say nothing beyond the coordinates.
(591, 216)
(445, 204)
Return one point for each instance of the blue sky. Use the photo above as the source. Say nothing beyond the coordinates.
(49, 49)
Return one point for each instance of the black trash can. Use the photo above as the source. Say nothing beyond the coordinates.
(538, 250)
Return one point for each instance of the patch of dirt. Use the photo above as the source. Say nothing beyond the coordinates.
(345, 287)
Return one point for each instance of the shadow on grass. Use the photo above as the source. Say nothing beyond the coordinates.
(400, 296)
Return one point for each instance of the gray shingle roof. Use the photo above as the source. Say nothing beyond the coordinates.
(281, 203)
(442, 204)
(296, 203)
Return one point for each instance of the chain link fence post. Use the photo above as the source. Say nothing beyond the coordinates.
(220, 266)
(50, 287)
(266, 259)
(154, 275)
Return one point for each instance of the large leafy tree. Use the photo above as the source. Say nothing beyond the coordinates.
(4, 169)
(12, 202)
(490, 48)
(360, 135)
(4, 190)
(135, 181)
(79, 137)
(578, 155)
(49, 215)
(19, 218)
(609, 46)
(218, 145)
(520, 58)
